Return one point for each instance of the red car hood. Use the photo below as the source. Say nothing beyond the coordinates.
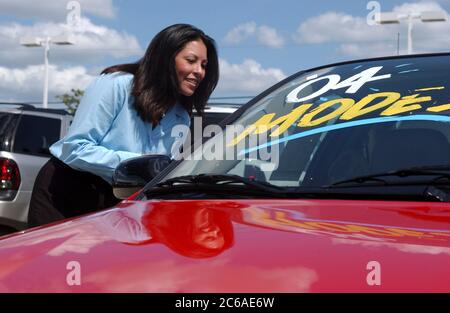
(237, 246)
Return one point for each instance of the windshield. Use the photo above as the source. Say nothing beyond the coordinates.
(336, 123)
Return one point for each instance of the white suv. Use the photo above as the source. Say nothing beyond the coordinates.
(26, 133)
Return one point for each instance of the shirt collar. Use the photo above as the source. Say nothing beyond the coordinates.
(175, 115)
(181, 112)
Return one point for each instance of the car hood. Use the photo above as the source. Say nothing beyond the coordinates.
(236, 246)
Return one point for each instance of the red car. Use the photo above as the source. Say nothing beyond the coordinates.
(336, 179)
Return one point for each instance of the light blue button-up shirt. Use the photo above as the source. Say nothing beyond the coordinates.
(107, 130)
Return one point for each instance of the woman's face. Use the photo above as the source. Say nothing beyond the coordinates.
(206, 233)
(190, 66)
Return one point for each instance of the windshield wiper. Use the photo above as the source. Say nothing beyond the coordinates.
(441, 171)
(234, 186)
(220, 183)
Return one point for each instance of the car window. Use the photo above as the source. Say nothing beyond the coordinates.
(35, 134)
(8, 122)
(336, 123)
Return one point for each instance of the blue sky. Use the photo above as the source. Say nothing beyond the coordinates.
(259, 41)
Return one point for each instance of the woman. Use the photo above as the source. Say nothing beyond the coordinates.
(127, 111)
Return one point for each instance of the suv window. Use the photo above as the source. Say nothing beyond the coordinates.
(8, 124)
(35, 134)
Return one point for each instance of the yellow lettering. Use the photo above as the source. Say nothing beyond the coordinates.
(360, 107)
(265, 119)
(255, 214)
(431, 88)
(439, 108)
(307, 119)
(288, 119)
(405, 104)
(372, 231)
(281, 217)
(329, 226)
(440, 234)
(406, 232)
(265, 123)
(345, 109)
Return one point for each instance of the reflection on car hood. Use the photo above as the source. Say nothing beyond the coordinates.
(236, 246)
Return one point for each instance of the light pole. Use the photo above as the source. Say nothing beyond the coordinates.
(45, 42)
(394, 18)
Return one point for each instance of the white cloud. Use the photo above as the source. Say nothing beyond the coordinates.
(113, 42)
(26, 84)
(269, 37)
(55, 9)
(427, 37)
(92, 42)
(240, 33)
(358, 39)
(338, 27)
(264, 34)
(369, 50)
(216, 275)
(404, 247)
(22, 74)
(248, 77)
(418, 7)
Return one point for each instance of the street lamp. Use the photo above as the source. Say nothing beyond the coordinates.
(394, 18)
(45, 42)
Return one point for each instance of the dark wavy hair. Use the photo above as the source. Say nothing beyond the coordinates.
(155, 84)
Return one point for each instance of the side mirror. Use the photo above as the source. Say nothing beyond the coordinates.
(133, 174)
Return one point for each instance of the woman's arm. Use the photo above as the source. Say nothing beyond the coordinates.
(81, 148)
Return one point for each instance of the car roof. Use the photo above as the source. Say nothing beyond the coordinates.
(392, 57)
(14, 107)
(222, 107)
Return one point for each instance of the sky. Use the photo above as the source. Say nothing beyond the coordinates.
(259, 42)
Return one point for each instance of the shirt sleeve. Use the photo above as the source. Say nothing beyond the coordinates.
(81, 148)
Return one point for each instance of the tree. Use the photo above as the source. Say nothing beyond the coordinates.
(72, 99)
